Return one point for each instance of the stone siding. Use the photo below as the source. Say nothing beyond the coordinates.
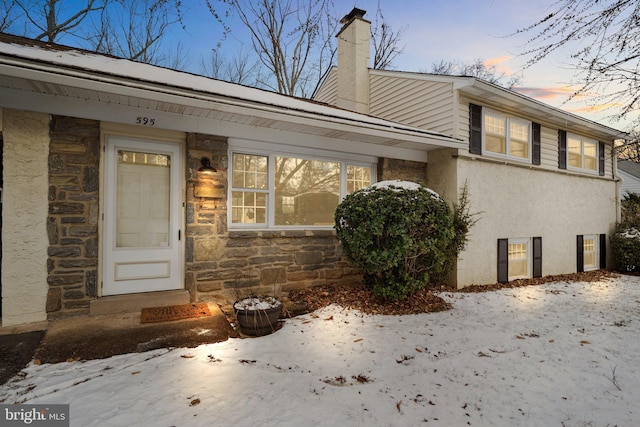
(404, 170)
(72, 224)
(222, 265)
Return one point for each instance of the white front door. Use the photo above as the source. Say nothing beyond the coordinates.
(142, 216)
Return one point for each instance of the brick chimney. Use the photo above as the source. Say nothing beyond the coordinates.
(354, 40)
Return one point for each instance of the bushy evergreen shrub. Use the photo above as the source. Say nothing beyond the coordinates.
(625, 246)
(625, 242)
(402, 236)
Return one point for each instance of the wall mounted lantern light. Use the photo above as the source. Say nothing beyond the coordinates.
(207, 185)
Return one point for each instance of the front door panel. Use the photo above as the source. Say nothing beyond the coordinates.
(143, 251)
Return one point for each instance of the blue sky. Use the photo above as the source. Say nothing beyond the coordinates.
(433, 30)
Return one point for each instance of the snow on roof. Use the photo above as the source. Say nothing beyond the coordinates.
(91, 62)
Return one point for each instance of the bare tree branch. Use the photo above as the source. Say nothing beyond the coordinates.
(8, 14)
(602, 38)
(46, 17)
(479, 69)
(134, 29)
(386, 42)
(291, 39)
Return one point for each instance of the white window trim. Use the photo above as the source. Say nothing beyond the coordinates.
(596, 252)
(582, 141)
(526, 241)
(508, 119)
(272, 150)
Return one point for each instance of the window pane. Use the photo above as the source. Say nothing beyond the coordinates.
(518, 262)
(248, 207)
(574, 150)
(519, 131)
(142, 200)
(517, 269)
(358, 177)
(312, 187)
(590, 149)
(590, 155)
(590, 163)
(495, 134)
(495, 125)
(496, 144)
(249, 171)
(589, 249)
(520, 149)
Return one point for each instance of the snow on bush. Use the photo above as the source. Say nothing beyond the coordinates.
(400, 233)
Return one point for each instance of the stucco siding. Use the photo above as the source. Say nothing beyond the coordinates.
(519, 202)
(24, 233)
(415, 102)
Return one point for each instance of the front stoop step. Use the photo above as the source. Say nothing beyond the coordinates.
(136, 302)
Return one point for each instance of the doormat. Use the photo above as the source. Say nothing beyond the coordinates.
(174, 312)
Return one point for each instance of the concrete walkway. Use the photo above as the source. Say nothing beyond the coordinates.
(101, 336)
(97, 337)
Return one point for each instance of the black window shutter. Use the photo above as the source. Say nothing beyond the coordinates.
(537, 257)
(603, 251)
(601, 158)
(580, 253)
(535, 155)
(475, 129)
(503, 260)
(562, 149)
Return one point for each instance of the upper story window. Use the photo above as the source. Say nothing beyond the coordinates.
(507, 136)
(582, 153)
(277, 190)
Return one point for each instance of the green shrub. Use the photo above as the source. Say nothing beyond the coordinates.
(625, 242)
(625, 246)
(401, 237)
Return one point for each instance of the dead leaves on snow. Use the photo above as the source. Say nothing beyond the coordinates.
(341, 381)
(359, 298)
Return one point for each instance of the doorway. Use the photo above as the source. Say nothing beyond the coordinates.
(142, 230)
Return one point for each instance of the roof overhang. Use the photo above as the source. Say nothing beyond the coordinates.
(494, 94)
(30, 72)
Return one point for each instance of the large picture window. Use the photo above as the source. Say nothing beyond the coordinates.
(274, 190)
(507, 136)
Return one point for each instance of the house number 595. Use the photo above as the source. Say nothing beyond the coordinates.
(146, 121)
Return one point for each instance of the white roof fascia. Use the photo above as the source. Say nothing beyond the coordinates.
(98, 72)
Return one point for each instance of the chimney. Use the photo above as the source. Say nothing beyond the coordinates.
(354, 55)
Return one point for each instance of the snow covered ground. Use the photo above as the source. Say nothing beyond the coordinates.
(561, 354)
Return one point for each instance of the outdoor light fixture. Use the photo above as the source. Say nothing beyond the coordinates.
(206, 167)
(207, 185)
